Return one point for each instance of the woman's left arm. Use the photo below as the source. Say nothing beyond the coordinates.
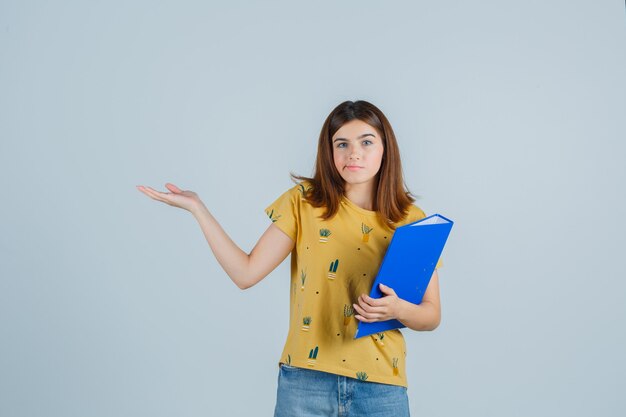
(423, 316)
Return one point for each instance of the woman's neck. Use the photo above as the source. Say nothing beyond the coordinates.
(360, 194)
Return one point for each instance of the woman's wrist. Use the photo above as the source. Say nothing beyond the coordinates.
(417, 316)
(403, 310)
(197, 209)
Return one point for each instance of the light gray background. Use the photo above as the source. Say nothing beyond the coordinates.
(510, 120)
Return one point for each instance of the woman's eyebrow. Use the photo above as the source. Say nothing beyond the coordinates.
(360, 137)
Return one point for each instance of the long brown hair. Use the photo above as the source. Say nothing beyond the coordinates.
(392, 198)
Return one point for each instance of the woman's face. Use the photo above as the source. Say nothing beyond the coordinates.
(357, 152)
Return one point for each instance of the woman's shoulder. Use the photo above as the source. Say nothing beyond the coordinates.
(297, 192)
(415, 213)
(418, 211)
(302, 187)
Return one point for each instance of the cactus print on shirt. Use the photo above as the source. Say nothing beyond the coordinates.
(333, 262)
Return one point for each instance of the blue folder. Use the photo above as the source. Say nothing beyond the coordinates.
(408, 264)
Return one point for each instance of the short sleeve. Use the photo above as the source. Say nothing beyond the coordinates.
(284, 212)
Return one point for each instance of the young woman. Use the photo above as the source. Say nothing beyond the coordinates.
(337, 226)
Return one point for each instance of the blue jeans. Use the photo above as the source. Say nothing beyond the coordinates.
(306, 393)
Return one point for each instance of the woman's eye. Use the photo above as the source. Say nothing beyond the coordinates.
(370, 142)
(341, 145)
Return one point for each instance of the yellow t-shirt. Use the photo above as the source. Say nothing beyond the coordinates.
(333, 262)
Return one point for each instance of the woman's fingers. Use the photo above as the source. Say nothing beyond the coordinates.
(173, 188)
(187, 200)
(368, 317)
(372, 304)
(156, 194)
(364, 309)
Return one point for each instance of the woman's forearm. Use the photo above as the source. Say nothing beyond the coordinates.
(233, 260)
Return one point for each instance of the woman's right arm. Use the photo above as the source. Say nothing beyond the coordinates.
(245, 270)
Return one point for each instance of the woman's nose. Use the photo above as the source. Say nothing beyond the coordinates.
(354, 154)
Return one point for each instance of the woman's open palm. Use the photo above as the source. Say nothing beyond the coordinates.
(187, 200)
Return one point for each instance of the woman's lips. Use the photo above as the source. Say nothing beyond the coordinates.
(353, 168)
